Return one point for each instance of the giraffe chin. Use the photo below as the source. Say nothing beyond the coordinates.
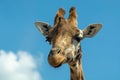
(56, 60)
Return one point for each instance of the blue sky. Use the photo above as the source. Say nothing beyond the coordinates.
(101, 54)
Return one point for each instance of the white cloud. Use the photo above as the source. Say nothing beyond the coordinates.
(18, 66)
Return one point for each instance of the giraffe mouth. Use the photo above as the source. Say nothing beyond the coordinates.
(56, 60)
(60, 64)
(56, 66)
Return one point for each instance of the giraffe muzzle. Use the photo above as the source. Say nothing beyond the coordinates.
(56, 58)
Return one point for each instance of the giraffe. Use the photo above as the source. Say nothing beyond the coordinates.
(65, 38)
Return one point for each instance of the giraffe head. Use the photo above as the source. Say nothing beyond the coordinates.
(65, 36)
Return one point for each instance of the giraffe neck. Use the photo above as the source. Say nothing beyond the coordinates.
(76, 72)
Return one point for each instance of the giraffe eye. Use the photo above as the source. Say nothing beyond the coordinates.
(78, 39)
(48, 39)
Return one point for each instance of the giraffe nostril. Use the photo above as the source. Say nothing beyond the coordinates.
(51, 53)
(55, 51)
(59, 51)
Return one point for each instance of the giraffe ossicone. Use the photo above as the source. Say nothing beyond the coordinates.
(65, 38)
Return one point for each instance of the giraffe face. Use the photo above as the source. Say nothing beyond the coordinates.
(65, 36)
(64, 40)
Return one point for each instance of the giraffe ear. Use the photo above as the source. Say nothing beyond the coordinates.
(91, 30)
(43, 27)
